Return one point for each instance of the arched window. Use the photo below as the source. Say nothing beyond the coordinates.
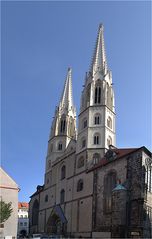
(83, 141)
(97, 98)
(62, 196)
(96, 139)
(59, 146)
(35, 212)
(109, 185)
(49, 164)
(51, 147)
(109, 141)
(84, 123)
(46, 198)
(88, 95)
(109, 96)
(96, 158)
(63, 172)
(109, 122)
(149, 175)
(97, 119)
(63, 124)
(80, 185)
(80, 162)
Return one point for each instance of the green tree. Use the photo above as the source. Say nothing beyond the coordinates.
(5, 211)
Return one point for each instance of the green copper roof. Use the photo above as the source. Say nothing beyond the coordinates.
(119, 187)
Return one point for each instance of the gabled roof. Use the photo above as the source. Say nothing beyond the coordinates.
(119, 153)
(23, 205)
(6, 181)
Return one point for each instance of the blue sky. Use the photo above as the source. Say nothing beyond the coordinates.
(40, 40)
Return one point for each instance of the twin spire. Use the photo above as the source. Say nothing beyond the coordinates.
(99, 63)
(66, 101)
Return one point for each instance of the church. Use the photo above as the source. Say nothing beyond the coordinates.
(92, 189)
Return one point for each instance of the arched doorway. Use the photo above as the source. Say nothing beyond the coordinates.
(54, 225)
(57, 222)
(23, 233)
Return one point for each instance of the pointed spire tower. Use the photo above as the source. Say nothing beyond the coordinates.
(63, 129)
(97, 114)
(99, 61)
(66, 101)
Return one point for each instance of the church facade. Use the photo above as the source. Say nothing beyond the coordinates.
(91, 188)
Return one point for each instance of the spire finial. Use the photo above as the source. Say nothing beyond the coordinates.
(99, 62)
(66, 101)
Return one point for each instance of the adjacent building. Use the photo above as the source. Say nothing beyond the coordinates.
(9, 193)
(91, 188)
(23, 219)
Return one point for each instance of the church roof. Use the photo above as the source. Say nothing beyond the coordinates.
(118, 154)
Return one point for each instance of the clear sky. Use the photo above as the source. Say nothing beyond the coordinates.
(40, 40)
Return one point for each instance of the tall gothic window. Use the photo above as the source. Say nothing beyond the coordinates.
(35, 212)
(60, 146)
(109, 185)
(149, 177)
(80, 185)
(96, 158)
(63, 125)
(97, 119)
(96, 139)
(63, 172)
(109, 122)
(46, 198)
(80, 162)
(83, 141)
(109, 141)
(62, 196)
(97, 99)
(84, 123)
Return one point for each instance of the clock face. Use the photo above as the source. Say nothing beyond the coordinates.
(148, 162)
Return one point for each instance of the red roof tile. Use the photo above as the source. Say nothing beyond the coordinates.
(119, 154)
(23, 205)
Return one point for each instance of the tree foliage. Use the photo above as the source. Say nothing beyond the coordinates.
(5, 211)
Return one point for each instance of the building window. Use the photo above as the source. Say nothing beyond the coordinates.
(96, 158)
(63, 125)
(109, 185)
(109, 141)
(21, 223)
(97, 99)
(25, 223)
(60, 146)
(80, 185)
(25, 216)
(51, 147)
(149, 177)
(35, 213)
(49, 164)
(97, 119)
(96, 139)
(63, 172)
(80, 162)
(62, 196)
(46, 198)
(84, 123)
(109, 122)
(83, 143)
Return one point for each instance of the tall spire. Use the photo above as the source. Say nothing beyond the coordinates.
(66, 101)
(99, 61)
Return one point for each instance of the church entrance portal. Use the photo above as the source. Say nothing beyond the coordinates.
(54, 225)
